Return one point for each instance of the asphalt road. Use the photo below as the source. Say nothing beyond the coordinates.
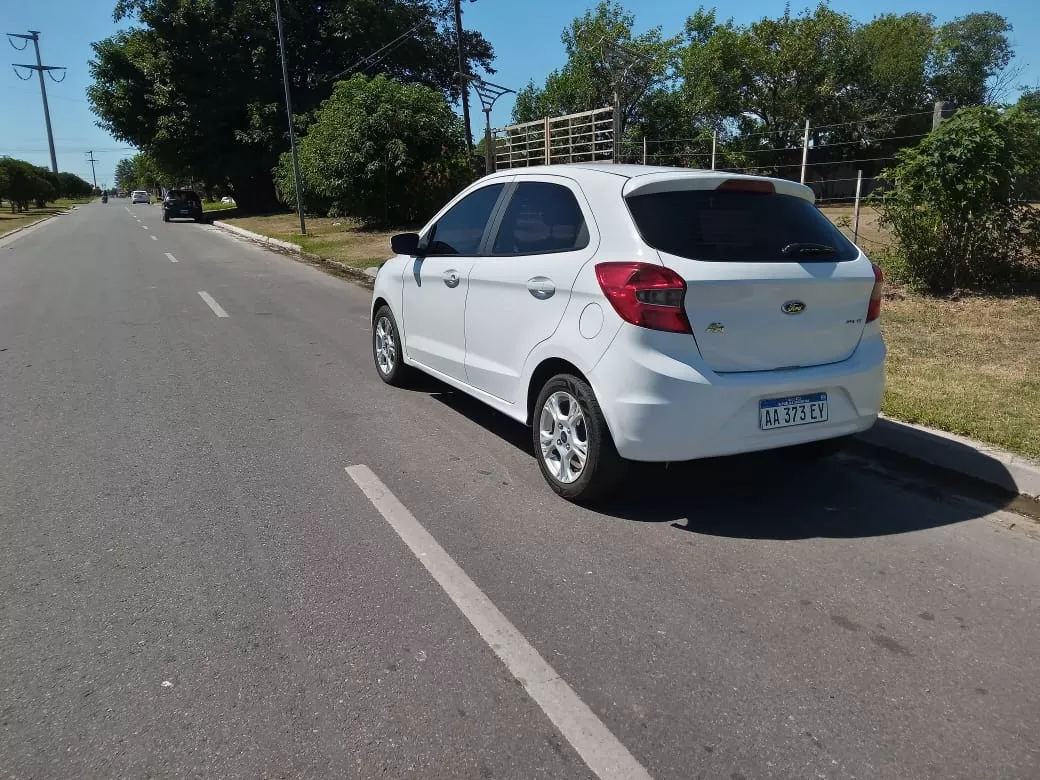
(193, 585)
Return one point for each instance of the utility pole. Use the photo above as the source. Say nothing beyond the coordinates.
(39, 67)
(463, 70)
(297, 184)
(93, 173)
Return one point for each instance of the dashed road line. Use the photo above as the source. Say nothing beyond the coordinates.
(217, 309)
(602, 751)
(155, 238)
(171, 258)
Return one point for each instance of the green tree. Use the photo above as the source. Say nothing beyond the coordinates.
(125, 177)
(72, 186)
(603, 54)
(381, 151)
(22, 184)
(198, 84)
(969, 57)
(146, 172)
(889, 72)
(958, 204)
(1029, 101)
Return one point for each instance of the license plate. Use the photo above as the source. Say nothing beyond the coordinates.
(791, 411)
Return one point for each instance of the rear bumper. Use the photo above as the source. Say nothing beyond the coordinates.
(662, 403)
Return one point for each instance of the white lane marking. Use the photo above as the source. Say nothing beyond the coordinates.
(171, 258)
(212, 304)
(144, 226)
(602, 751)
(155, 238)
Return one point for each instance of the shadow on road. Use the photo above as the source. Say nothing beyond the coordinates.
(772, 495)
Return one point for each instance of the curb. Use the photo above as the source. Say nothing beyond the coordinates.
(957, 454)
(332, 266)
(258, 237)
(17, 230)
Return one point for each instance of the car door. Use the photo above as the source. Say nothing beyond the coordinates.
(436, 282)
(519, 290)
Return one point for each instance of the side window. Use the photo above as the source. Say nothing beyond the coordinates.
(541, 217)
(459, 231)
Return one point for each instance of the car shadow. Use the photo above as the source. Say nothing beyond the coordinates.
(770, 495)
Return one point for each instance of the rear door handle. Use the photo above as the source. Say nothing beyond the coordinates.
(541, 287)
(451, 278)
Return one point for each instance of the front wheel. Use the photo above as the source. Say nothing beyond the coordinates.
(386, 349)
(575, 450)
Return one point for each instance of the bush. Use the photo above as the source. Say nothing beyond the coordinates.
(958, 203)
(380, 151)
(72, 186)
(22, 184)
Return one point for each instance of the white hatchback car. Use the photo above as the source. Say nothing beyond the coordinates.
(638, 313)
(139, 196)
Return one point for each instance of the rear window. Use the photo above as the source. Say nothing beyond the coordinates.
(183, 195)
(738, 227)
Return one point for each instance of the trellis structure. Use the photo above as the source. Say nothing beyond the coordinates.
(587, 136)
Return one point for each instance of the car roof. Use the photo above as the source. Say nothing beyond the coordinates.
(632, 175)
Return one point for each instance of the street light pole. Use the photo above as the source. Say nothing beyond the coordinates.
(488, 94)
(297, 183)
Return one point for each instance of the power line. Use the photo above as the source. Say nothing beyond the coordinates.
(367, 59)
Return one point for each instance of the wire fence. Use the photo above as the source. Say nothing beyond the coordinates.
(843, 162)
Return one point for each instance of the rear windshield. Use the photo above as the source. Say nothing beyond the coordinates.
(183, 195)
(738, 227)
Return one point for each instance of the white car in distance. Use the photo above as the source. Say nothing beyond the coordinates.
(139, 196)
(634, 313)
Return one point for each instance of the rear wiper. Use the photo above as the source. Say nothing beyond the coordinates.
(807, 248)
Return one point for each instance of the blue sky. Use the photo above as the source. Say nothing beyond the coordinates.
(526, 38)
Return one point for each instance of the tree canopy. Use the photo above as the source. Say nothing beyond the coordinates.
(197, 84)
(381, 151)
(759, 82)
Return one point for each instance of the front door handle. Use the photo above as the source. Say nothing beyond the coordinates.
(451, 278)
(541, 287)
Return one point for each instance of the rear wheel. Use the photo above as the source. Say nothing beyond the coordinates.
(386, 349)
(575, 451)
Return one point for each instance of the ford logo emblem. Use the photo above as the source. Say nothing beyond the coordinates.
(793, 307)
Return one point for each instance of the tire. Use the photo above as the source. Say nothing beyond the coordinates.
(386, 349)
(165, 218)
(602, 468)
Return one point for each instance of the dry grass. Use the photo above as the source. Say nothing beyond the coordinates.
(9, 221)
(872, 237)
(970, 366)
(334, 239)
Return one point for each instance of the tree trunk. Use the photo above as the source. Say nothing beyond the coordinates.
(254, 192)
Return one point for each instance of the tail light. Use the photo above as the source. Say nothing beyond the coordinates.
(650, 296)
(874, 307)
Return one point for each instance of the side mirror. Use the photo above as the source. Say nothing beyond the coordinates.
(405, 244)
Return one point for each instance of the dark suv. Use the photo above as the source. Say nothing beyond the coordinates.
(182, 204)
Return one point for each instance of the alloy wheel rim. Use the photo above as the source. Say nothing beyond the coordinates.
(564, 437)
(386, 348)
